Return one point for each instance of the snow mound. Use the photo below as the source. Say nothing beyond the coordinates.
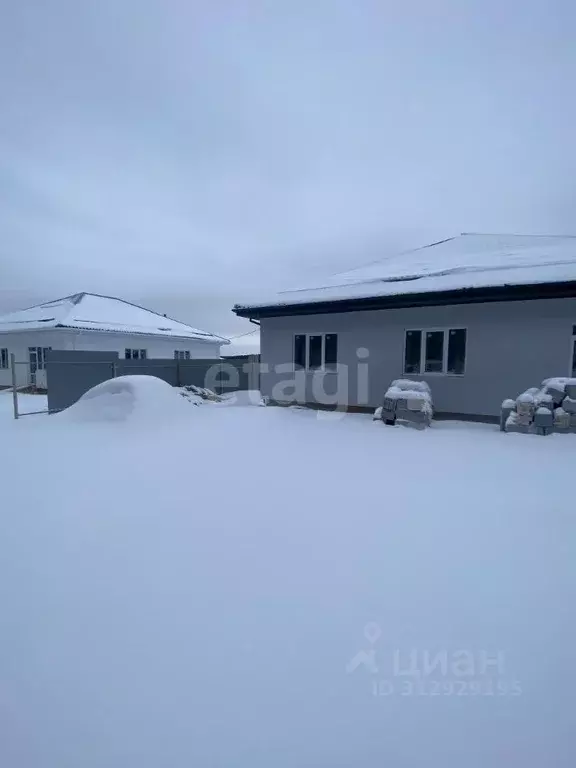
(559, 382)
(527, 398)
(191, 391)
(134, 398)
(411, 395)
(412, 386)
(242, 398)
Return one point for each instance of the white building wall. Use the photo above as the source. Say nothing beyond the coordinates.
(159, 348)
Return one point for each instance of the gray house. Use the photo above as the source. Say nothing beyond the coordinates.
(479, 317)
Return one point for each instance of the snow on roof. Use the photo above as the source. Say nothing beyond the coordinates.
(92, 312)
(465, 261)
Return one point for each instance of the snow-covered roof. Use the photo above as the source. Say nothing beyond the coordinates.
(92, 312)
(462, 262)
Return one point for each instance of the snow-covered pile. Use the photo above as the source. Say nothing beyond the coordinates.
(198, 395)
(242, 398)
(134, 398)
(408, 403)
(542, 410)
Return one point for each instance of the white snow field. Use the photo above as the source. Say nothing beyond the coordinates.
(249, 588)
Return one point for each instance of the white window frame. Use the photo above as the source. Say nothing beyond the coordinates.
(306, 367)
(181, 354)
(4, 359)
(139, 355)
(444, 372)
(40, 353)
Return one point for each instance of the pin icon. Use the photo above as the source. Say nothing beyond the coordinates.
(372, 632)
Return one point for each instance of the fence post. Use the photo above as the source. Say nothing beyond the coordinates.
(14, 384)
(253, 375)
(114, 370)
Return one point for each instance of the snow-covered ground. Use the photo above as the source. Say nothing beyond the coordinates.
(249, 587)
(26, 404)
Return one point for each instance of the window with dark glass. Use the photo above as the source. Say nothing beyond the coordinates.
(315, 352)
(413, 352)
(456, 350)
(300, 351)
(330, 351)
(4, 359)
(135, 354)
(574, 358)
(434, 360)
(435, 351)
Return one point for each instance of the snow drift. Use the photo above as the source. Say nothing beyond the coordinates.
(134, 398)
(198, 600)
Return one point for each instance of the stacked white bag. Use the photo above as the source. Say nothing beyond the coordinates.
(542, 410)
(408, 403)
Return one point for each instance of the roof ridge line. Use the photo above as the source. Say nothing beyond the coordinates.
(509, 234)
(152, 312)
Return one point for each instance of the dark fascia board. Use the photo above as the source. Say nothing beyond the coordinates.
(402, 301)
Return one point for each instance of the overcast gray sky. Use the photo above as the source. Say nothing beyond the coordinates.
(187, 155)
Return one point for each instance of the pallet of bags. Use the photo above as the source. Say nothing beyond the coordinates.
(563, 391)
(542, 410)
(407, 403)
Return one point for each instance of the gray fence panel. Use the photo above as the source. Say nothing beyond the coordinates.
(70, 374)
(163, 369)
(219, 375)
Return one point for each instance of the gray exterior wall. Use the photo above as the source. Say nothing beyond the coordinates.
(510, 346)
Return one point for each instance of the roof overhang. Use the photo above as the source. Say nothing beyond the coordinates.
(77, 329)
(87, 329)
(562, 290)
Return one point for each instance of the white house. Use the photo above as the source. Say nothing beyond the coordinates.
(87, 321)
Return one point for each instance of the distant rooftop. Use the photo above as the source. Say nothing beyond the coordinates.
(464, 262)
(92, 312)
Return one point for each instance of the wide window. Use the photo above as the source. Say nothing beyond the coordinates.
(435, 351)
(4, 359)
(181, 354)
(316, 352)
(135, 354)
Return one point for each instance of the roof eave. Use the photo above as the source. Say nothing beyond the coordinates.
(558, 290)
(209, 340)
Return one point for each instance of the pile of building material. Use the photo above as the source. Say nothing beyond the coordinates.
(190, 391)
(407, 403)
(542, 410)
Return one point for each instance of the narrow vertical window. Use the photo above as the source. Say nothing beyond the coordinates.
(331, 351)
(434, 362)
(413, 352)
(456, 350)
(315, 352)
(574, 357)
(300, 351)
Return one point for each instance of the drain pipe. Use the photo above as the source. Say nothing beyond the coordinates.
(14, 384)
